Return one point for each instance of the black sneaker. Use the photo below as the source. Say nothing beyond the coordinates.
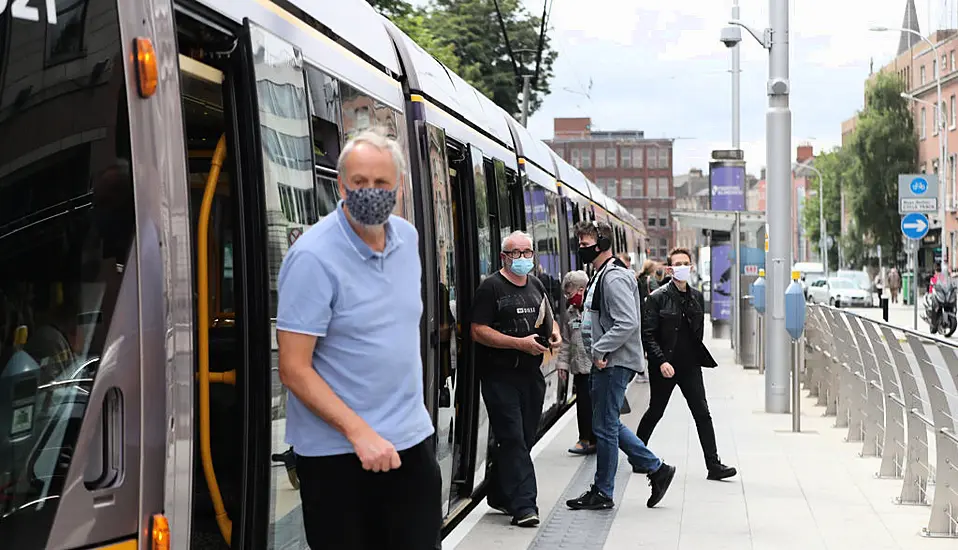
(528, 519)
(660, 481)
(593, 499)
(720, 471)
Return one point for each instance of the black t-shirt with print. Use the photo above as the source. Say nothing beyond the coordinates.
(511, 310)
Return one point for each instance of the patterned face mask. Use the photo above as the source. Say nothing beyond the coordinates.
(371, 205)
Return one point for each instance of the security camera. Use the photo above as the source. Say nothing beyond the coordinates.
(731, 36)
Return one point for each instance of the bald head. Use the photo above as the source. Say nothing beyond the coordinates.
(517, 239)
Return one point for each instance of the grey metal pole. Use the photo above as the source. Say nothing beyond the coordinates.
(942, 159)
(797, 352)
(737, 289)
(761, 343)
(736, 87)
(526, 79)
(914, 280)
(779, 208)
(821, 224)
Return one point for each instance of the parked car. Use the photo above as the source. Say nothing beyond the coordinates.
(838, 292)
(862, 280)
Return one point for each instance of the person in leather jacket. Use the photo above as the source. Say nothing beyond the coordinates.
(673, 327)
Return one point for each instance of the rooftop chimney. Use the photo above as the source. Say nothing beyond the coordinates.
(803, 153)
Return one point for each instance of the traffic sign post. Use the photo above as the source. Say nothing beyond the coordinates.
(914, 226)
(917, 193)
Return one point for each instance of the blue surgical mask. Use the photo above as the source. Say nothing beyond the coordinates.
(521, 266)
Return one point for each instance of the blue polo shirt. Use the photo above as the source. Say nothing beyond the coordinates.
(365, 307)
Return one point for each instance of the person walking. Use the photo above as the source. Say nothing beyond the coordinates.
(356, 419)
(672, 333)
(611, 330)
(574, 359)
(509, 350)
(894, 284)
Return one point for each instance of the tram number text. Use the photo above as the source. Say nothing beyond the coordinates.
(21, 9)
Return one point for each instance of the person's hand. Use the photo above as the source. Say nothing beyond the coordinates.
(667, 370)
(530, 346)
(555, 340)
(563, 375)
(601, 363)
(376, 454)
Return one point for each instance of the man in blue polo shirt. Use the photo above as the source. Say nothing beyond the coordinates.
(348, 332)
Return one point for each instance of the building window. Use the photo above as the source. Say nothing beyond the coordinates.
(638, 157)
(626, 154)
(575, 158)
(585, 158)
(663, 159)
(936, 122)
(950, 200)
(934, 68)
(652, 218)
(921, 124)
(952, 59)
(663, 188)
(609, 187)
(560, 151)
(610, 158)
(626, 188)
(954, 107)
(921, 76)
(637, 212)
(663, 218)
(600, 158)
(638, 188)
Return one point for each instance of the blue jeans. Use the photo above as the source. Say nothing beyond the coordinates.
(608, 392)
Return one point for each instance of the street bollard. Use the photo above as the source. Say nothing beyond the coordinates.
(795, 326)
(758, 300)
(883, 300)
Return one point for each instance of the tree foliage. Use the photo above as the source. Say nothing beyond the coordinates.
(467, 37)
(884, 145)
(838, 168)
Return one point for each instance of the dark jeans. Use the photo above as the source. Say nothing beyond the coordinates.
(689, 380)
(514, 402)
(348, 508)
(583, 407)
(608, 392)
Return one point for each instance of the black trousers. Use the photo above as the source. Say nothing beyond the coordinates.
(689, 380)
(583, 407)
(348, 508)
(514, 402)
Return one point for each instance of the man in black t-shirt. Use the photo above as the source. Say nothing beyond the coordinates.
(511, 312)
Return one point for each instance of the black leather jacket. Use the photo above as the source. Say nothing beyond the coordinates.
(661, 321)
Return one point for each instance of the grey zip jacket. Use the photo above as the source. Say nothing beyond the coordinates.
(572, 354)
(617, 326)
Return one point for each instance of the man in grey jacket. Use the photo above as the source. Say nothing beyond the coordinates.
(611, 330)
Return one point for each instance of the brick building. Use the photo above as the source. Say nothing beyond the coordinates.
(635, 170)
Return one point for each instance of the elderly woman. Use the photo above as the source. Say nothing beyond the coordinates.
(574, 358)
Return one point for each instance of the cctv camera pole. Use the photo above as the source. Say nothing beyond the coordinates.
(778, 158)
(736, 91)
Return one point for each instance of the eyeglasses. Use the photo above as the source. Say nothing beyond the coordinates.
(515, 254)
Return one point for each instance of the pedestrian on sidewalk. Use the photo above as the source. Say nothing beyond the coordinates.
(894, 284)
(509, 357)
(673, 330)
(574, 359)
(611, 329)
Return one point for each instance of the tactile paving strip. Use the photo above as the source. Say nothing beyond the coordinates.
(582, 529)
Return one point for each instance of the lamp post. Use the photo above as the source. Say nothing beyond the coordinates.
(822, 238)
(778, 120)
(942, 136)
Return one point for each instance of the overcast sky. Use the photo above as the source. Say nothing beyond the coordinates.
(659, 67)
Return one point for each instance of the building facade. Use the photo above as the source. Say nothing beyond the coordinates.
(635, 170)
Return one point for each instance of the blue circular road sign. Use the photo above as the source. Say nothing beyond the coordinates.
(914, 226)
(919, 185)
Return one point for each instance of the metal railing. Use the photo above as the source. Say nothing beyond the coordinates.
(896, 392)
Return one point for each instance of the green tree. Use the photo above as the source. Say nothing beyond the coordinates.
(838, 168)
(473, 29)
(884, 145)
(420, 25)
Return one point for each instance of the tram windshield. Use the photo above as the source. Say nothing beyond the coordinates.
(66, 235)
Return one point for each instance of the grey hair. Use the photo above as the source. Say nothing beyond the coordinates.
(377, 138)
(575, 279)
(514, 235)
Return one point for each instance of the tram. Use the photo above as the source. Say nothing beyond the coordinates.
(158, 159)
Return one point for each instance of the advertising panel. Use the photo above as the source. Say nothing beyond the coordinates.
(722, 263)
(727, 186)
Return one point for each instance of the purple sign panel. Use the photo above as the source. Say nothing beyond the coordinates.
(722, 282)
(727, 187)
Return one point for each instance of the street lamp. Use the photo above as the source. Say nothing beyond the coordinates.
(778, 124)
(942, 135)
(822, 239)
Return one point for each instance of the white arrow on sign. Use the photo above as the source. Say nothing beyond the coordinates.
(919, 225)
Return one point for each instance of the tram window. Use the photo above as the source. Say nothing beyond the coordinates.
(67, 230)
(327, 136)
(361, 111)
(482, 213)
(65, 38)
(507, 220)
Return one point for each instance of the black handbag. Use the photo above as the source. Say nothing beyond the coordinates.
(626, 409)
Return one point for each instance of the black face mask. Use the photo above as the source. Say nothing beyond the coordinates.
(588, 254)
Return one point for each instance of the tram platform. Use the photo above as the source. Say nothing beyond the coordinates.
(808, 490)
